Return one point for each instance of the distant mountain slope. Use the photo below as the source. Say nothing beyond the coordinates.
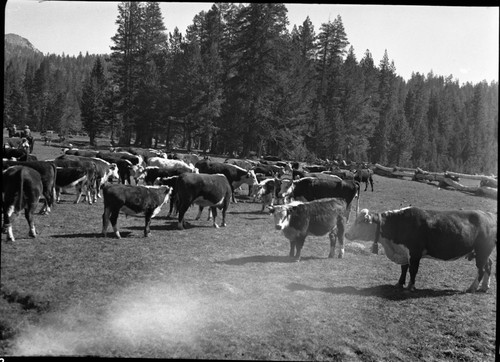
(16, 45)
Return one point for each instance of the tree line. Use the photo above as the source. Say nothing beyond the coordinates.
(239, 82)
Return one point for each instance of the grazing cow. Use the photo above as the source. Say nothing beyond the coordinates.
(318, 217)
(70, 177)
(236, 176)
(48, 172)
(132, 200)
(204, 190)
(410, 234)
(311, 188)
(364, 175)
(22, 187)
(266, 191)
(89, 182)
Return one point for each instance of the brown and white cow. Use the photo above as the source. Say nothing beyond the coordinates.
(22, 188)
(411, 233)
(298, 219)
(266, 191)
(132, 200)
(203, 190)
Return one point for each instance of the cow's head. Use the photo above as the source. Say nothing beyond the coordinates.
(113, 172)
(252, 178)
(286, 188)
(363, 228)
(281, 214)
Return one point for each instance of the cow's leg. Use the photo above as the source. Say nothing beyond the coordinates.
(483, 273)
(486, 277)
(29, 214)
(7, 222)
(105, 220)
(366, 185)
(200, 210)
(340, 234)
(224, 209)
(292, 248)
(414, 264)
(58, 195)
(333, 242)
(79, 193)
(402, 277)
(214, 214)
(114, 219)
(183, 206)
(371, 183)
(147, 229)
(299, 243)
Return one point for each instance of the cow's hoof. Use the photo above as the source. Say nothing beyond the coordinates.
(32, 235)
(412, 289)
(400, 286)
(216, 226)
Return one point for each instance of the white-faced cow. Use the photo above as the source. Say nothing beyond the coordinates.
(22, 187)
(266, 191)
(410, 234)
(48, 172)
(236, 176)
(88, 184)
(204, 190)
(132, 200)
(311, 188)
(318, 218)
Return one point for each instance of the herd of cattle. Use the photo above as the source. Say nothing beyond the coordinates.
(304, 200)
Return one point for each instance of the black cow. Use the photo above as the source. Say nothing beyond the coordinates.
(70, 177)
(132, 200)
(311, 188)
(364, 175)
(318, 217)
(48, 172)
(90, 167)
(22, 187)
(234, 174)
(204, 190)
(151, 173)
(410, 234)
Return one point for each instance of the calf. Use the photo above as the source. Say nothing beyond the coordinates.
(204, 190)
(311, 188)
(364, 175)
(132, 200)
(22, 187)
(318, 217)
(410, 234)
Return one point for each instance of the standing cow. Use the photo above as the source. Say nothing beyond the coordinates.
(410, 234)
(132, 200)
(22, 187)
(318, 217)
(365, 176)
(204, 190)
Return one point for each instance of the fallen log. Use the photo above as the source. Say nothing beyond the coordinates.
(471, 177)
(487, 192)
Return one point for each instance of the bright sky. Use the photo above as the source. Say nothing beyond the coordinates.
(458, 41)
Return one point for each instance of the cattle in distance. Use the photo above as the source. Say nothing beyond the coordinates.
(411, 233)
(132, 200)
(22, 188)
(203, 190)
(298, 219)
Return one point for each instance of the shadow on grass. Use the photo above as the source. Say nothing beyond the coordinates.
(254, 212)
(389, 292)
(123, 234)
(264, 259)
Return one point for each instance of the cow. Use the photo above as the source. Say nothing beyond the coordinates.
(132, 200)
(266, 191)
(236, 176)
(151, 173)
(105, 171)
(343, 174)
(17, 143)
(315, 168)
(126, 169)
(89, 182)
(48, 172)
(168, 164)
(269, 170)
(323, 176)
(311, 188)
(410, 234)
(318, 217)
(83, 153)
(364, 175)
(22, 187)
(70, 177)
(212, 190)
(245, 164)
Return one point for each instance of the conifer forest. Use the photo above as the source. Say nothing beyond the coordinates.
(238, 82)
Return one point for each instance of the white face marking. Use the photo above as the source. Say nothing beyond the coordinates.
(281, 217)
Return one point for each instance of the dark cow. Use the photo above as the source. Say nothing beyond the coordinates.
(364, 175)
(151, 173)
(311, 188)
(132, 200)
(48, 172)
(410, 234)
(70, 177)
(90, 167)
(315, 168)
(128, 165)
(172, 183)
(343, 174)
(323, 176)
(318, 217)
(22, 187)
(209, 190)
(236, 176)
(269, 170)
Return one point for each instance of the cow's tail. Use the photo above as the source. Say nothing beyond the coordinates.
(54, 194)
(21, 190)
(358, 193)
